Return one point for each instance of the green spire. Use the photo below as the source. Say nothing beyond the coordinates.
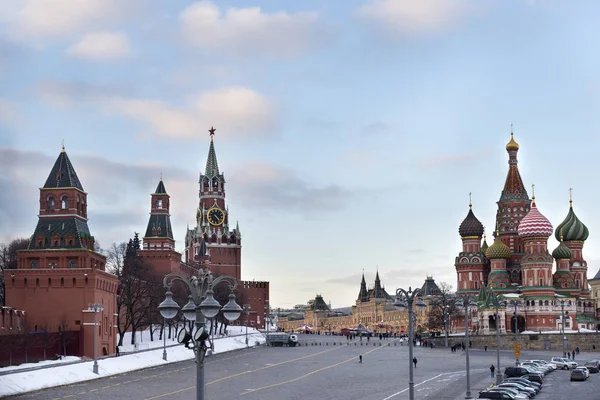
(212, 167)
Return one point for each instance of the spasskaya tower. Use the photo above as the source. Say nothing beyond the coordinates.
(223, 241)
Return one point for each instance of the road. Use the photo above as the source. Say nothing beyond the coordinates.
(319, 369)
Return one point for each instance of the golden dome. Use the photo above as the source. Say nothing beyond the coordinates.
(512, 145)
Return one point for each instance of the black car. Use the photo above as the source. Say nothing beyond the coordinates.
(593, 366)
(496, 395)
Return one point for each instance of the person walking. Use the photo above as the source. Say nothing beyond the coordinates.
(485, 348)
(492, 369)
(360, 359)
(415, 361)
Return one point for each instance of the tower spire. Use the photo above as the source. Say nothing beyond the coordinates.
(470, 203)
(571, 197)
(212, 167)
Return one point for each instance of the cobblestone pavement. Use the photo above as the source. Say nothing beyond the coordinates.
(320, 369)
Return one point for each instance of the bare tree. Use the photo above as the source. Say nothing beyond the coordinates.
(65, 336)
(8, 260)
(442, 308)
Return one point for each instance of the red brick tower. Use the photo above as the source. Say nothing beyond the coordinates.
(471, 264)
(59, 275)
(223, 242)
(159, 245)
(512, 207)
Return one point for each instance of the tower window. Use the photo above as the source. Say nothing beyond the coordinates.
(72, 264)
(51, 203)
(34, 265)
(159, 203)
(64, 202)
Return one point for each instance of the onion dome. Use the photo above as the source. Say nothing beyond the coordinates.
(534, 224)
(512, 145)
(498, 250)
(572, 228)
(470, 225)
(562, 252)
(484, 246)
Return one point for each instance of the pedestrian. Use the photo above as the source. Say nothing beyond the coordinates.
(573, 354)
(360, 359)
(485, 348)
(576, 350)
(594, 347)
(415, 361)
(492, 369)
(117, 354)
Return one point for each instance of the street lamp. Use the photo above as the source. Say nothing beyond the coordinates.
(446, 318)
(466, 302)
(96, 308)
(497, 303)
(201, 305)
(516, 304)
(405, 299)
(562, 326)
(247, 312)
(164, 333)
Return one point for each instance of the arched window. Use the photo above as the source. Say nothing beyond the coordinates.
(72, 264)
(546, 302)
(579, 304)
(159, 203)
(51, 203)
(540, 303)
(64, 202)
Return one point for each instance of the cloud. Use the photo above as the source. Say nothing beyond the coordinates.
(100, 46)
(235, 111)
(406, 17)
(7, 112)
(250, 31)
(36, 21)
(262, 185)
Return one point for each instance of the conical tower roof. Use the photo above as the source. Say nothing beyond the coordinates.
(63, 174)
(513, 186)
(212, 166)
(160, 189)
(484, 246)
(363, 294)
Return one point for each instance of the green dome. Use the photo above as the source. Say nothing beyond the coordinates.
(562, 252)
(498, 250)
(484, 246)
(571, 228)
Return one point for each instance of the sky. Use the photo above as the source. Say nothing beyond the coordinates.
(350, 132)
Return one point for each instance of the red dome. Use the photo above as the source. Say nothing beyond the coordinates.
(534, 224)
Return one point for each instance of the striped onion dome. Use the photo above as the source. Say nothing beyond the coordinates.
(534, 224)
(562, 252)
(470, 226)
(571, 228)
(497, 250)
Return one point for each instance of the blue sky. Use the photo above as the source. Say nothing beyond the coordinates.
(350, 132)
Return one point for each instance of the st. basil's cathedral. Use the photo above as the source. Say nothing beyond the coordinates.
(518, 265)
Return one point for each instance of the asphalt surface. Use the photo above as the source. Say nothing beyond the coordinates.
(320, 370)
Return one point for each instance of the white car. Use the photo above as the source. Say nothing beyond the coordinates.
(585, 371)
(563, 363)
(549, 364)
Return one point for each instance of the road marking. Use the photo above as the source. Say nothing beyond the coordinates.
(308, 374)
(418, 384)
(94, 390)
(169, 394)
(105, 387)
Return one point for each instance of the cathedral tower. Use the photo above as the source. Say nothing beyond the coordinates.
(223, 241)
(513, 205)
(470, 264)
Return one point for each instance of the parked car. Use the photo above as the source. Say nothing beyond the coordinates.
(564, 363)
(518, 395)
(585, 371)
(515, 371)
(496, 395)
(593, 366)
(547, 364)
(578, 375)
(525, 381)
(519, 387)
(536, 366)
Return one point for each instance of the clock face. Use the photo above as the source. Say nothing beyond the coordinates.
(216, 216)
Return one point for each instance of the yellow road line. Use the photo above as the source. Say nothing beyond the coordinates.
(105, 387)
(308, 374)
(169, 394)
(94, 390)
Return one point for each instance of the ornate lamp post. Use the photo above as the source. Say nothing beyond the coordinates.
(247, 312)
(405, 299)
(497, 303)
(201, 305)
(516, 304)
(95, 308)
(466, 302)
(164, 333)
(562, 326)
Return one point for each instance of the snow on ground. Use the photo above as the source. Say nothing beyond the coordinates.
(23, 382)
(40, 363)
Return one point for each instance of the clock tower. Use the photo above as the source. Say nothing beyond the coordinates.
(223, 241)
